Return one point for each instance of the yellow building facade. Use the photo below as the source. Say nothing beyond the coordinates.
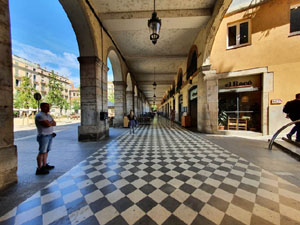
(264, 67)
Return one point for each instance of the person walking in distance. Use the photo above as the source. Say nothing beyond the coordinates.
(44, 124)
(292, 109)
(131, 119)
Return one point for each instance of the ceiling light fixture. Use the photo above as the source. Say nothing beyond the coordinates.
(154, 25)
(154, 83)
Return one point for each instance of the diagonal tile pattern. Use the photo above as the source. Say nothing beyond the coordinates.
(162, 175)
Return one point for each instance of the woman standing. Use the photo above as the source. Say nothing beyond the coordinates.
(131, 118)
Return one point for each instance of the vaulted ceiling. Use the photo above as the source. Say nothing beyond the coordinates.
(126, 21)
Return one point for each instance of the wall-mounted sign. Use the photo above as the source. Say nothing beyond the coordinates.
(240, 82)
(276, 101)
(237, 84)
(193, 94)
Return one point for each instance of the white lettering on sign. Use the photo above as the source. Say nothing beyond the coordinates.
(276, 101)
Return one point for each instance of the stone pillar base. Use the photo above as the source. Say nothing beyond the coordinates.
(8, 166)
(92, 133)
(118, 122)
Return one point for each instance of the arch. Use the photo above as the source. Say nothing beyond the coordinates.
(191, 67)
(179, 80)
(77, 13)
(135, 90)
(129, 82)
(115, 63)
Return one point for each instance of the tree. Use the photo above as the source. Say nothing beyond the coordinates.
(54, 96)
(76, 104)
(111, 97)
(23, 98)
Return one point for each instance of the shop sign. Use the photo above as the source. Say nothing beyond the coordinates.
(193, 94)
(180, 99)
(276, 101)
(237, 84)
(240, 82)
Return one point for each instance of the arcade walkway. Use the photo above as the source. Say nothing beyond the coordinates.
(162, 175)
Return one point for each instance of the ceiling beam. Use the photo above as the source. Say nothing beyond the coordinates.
(183, 57)
(161, 13)
(163, 82)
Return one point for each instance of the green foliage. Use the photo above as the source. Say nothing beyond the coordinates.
(75, 104)
(111, 97)
(23, 98)
(54, 96)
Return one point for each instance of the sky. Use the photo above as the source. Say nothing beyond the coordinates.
(42, 33)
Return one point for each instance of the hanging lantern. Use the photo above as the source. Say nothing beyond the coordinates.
(154, 25)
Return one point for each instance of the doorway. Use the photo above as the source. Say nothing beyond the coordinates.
(193, 107)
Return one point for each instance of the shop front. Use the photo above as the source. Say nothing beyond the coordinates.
(240, 103)
(193, 106)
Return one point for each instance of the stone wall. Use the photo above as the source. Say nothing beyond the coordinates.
(8, 151)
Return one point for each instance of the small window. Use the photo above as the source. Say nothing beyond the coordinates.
(295, 20)
(238, 34)
(73, 94)
(34, 86)
(18, 82)
(34, 77)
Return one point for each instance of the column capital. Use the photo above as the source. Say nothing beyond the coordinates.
(120, 83)
(89, 59)
(92, 60)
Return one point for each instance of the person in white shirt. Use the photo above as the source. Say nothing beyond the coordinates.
(44, 124)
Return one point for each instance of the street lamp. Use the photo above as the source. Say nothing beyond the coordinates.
(154, 25)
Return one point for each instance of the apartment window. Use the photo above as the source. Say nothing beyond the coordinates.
(18, 82)
(295, 20)
(73, 94)
(238, 34)
(34, 86)
(34, 77)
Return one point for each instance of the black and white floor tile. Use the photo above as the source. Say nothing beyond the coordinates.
(162, 175)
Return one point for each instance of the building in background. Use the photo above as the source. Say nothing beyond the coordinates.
(74, 94)
(111, 99)
(39, 78)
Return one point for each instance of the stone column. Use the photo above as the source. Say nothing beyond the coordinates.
(93, 93)
(207, 101)
(136, 105)
(129, 101)
(120, 102)
(8, 151)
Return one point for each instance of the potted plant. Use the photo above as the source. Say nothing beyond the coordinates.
(222, 119)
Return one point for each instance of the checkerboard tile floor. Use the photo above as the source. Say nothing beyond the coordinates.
(162, 175)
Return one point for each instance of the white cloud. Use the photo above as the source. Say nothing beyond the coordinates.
(65, 64)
